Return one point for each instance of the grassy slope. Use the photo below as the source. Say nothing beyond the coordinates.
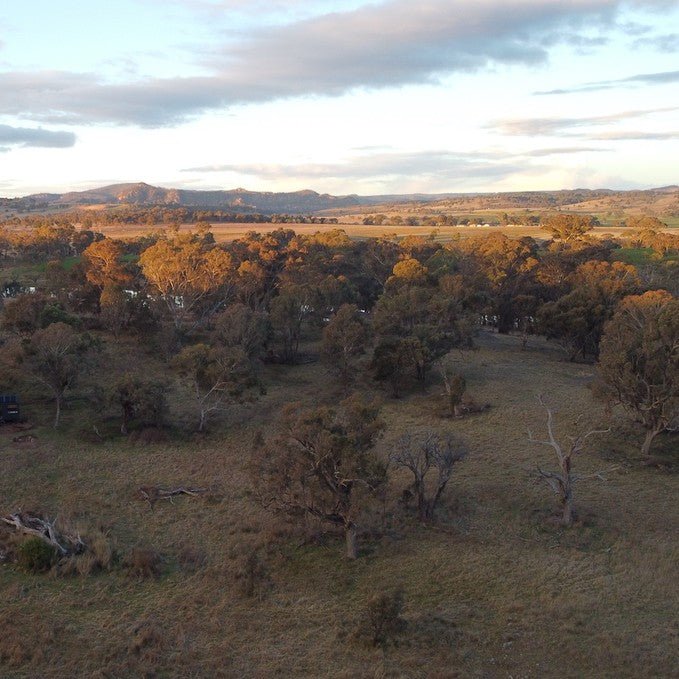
(494, 591)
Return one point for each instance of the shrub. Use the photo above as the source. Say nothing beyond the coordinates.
(191, 559)
(36, 556)
(382, 621)
(99, 556)
(253, 575)
(8, 545)
(148, 436)
(147, 642)
(142, 402)
(143, 562)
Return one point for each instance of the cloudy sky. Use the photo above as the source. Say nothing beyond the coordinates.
(343, 96)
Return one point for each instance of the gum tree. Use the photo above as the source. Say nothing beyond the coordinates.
(639, 361)
(320, 462)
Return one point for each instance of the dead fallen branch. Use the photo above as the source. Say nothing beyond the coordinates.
(24, 438)
(152, 494)
(45, 529)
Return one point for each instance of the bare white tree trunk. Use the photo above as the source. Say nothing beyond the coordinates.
(563, 481)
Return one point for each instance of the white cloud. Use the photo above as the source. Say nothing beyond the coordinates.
(36, 137)
(558, 126)
(391, 44)
(640, 79)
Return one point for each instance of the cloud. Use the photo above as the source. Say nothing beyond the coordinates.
(438, 166)
(435, 168)
(541, 153)
(564, 126)
(661, 43)
(636, 136)
(269, 7)
(389, 44)
(661, 78)
(36, 137)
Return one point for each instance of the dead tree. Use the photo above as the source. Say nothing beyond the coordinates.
(563, 480)
(454, 386)
(431, 453)
(46, 530)
(152, 494)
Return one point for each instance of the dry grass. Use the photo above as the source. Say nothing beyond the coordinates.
(495, 590)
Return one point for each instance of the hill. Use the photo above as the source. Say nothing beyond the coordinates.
(144, 194)
(662, 201)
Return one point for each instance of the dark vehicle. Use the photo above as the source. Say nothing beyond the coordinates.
(9, 408)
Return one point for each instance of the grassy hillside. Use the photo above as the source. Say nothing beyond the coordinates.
(496, 589)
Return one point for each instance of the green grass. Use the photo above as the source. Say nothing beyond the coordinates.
(69, 262)
(634, 255)
(494, 590)
(671, 221)
(639, 256)
(24, 273)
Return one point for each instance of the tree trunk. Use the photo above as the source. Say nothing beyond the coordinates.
(57, 415)
(567, 516)
(201, 423)
(505, 318)
(567, 492)
(395, 391)
(648, 440)
(427, 511)
(350, 537)
(421, 508)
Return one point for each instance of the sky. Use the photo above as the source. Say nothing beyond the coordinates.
(339, 96)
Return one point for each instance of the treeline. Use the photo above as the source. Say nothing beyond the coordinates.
(215, 312)
(444, 219)
(155, 216)
(527, 218)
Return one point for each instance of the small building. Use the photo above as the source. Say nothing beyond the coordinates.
(9, 408)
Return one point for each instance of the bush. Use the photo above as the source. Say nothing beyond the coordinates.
(8, 545)
(99, 557)
(36, 556)
(253, 575)
(191, 559)
(149, 436)
(143, 562)
(141, 402)
(147, 642)
(382, 621)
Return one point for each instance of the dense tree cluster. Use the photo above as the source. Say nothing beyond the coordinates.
(385, 308)
(154, 216)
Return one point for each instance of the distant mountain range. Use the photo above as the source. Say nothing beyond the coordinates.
(235, 199)
(308, 202)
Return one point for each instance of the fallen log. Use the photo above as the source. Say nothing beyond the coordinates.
(152, 494)
(46, 530)
(24, 438)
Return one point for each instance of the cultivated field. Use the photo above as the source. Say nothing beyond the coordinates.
(496, 589)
